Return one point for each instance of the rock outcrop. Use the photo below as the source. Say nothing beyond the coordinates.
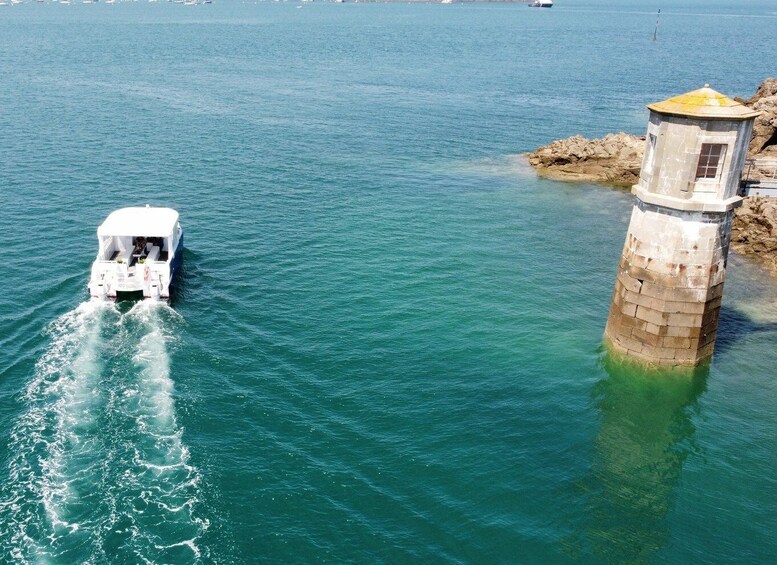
(764, 140)
(754, 231)
(616, 159)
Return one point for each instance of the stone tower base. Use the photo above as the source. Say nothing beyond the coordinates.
(667, 296)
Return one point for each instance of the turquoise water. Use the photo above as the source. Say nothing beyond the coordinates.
(386, 344)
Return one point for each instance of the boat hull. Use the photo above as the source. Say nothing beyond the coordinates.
(175, 268)
(140, 254)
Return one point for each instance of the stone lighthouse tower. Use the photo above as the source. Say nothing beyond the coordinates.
(668, 291)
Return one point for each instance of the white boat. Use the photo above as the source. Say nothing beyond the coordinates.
(141, 249)
(541, 4)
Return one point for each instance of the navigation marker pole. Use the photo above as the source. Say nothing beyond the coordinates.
(658, 17)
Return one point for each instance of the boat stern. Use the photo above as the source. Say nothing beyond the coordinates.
(111, 280)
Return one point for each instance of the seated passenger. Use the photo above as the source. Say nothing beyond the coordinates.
(140, 246)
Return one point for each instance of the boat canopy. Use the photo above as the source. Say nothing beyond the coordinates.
(145, 221)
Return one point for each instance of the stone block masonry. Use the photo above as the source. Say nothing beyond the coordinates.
(668, 291)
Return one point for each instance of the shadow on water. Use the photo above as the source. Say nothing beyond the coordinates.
(188, 279)
(734, 325)
(645, 436)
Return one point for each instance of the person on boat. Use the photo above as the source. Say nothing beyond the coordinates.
(140, 246)
(140, 250)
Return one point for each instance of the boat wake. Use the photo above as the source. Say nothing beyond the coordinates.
(155, 504)
(98, 468)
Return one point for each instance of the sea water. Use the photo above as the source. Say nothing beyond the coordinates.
(386, 342)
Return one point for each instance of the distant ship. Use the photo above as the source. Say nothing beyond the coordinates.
(541, 4)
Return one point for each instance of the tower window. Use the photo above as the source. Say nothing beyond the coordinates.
(709, 160)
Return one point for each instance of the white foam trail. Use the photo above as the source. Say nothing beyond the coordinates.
(99, 471)
(161, 486)
(54, 441)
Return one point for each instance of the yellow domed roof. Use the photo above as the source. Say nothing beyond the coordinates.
(704, 103)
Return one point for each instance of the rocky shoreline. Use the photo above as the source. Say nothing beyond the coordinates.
(615, 160)
(754, 231)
